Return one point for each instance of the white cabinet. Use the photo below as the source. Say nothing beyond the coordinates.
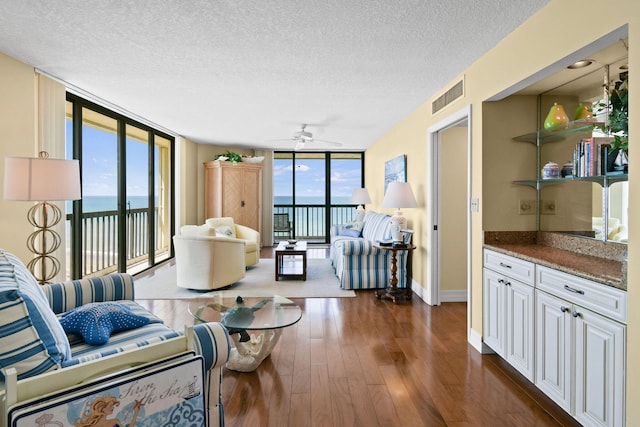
(508, 312)
(565, 333)
(580, 354)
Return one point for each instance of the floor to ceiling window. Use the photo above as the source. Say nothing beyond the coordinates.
(124, 220)
(314, 190)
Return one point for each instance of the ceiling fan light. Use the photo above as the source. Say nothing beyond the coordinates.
(300, 145)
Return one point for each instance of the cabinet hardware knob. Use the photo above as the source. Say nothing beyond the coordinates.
(564, 309)
(502, 264)
(242, 203)
(501, 281)
(575, 291)
(507, 283)
(576, 314)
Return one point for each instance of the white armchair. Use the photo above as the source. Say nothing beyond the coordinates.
(226, 226)
(207, 262)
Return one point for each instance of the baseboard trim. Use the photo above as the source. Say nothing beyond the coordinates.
(475, 339)
(453, 296)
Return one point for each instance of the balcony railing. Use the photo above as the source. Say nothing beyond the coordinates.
(309, 221)
(100, 240)
(100, 233)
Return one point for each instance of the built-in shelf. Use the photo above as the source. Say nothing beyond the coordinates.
(604, 180)
(558, 133)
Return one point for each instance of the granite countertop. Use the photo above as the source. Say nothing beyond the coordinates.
(602, 270)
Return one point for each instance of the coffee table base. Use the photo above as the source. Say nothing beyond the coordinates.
(247, 356)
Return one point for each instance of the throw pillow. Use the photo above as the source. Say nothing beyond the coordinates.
(352, 229)
(224, 232)
(96, 321)
(31, 338)
(350, 233)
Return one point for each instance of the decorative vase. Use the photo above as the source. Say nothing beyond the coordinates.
(583, 112)
(551, 170)
(556, 117)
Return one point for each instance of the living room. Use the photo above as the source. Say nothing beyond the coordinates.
(560, 30)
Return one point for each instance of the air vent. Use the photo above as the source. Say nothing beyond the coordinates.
(448, 97)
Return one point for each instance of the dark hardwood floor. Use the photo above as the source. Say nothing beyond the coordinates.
(364, 362)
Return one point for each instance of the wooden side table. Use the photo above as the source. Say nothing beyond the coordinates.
(299, 250)
(393, 292)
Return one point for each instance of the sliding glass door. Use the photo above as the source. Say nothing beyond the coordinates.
(123, 221)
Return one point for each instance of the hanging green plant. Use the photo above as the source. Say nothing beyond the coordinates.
(229, 156)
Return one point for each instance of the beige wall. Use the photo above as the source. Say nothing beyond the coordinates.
(453, 210)
(558, 30)
(18, 112)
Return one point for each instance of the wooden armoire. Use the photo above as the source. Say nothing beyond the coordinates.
(235, 190)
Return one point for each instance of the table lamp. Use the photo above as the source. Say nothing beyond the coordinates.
(360, 196)
(399, 195)
(41, 179)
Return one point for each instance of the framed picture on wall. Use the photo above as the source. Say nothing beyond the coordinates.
(395, 170)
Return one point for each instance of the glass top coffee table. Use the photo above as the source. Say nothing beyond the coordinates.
(241, 315)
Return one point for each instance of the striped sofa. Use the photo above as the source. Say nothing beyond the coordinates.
(357, 263)
(33, 341)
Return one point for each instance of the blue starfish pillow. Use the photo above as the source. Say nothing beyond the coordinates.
(96, 321)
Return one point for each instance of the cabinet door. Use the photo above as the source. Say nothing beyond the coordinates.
(493, 311)
(232, 189)
(251, 199)
(599, 355)
(553, 348)
(519, 326)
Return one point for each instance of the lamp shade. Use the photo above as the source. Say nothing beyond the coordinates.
(399, 195)
(360, 196)
(41, 179)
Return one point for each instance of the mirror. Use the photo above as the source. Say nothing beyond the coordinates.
(578, 208)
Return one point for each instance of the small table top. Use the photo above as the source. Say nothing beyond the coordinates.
(253, 313)
(404, 247)
(298, 246)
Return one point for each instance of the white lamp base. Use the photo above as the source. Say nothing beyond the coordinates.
(399, 219)
(398, 223)
(360, 213)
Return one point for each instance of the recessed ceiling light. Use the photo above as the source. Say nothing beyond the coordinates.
(580, 64)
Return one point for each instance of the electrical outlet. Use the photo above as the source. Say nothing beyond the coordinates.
(527, 207)
(548, 207)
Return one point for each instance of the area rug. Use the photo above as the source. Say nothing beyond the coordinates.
(259, 281)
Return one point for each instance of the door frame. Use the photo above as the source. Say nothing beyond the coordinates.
(433, 207)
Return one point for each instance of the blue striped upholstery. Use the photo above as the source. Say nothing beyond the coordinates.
(31, 338)
(65, 296)
(358, 264)
(212, 341)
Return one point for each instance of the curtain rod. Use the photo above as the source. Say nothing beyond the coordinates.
(104, 103)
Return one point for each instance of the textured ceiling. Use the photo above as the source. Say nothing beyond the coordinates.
(243, 73)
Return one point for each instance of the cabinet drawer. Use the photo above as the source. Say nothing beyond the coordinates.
(510, 266)
(602, 299)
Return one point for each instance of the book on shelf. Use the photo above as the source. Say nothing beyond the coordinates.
(590, 156)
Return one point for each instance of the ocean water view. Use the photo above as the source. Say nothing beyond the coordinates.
(109, 203)
(309, 200)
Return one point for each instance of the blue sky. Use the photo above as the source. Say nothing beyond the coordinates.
(99, 165)
(310, 177)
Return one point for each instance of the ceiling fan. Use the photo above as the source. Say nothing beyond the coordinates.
(303, 136)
